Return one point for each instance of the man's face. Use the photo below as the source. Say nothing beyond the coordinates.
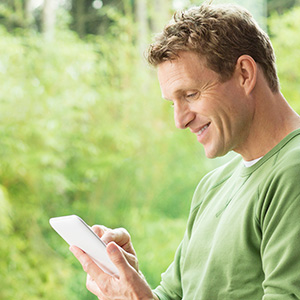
(216, 112)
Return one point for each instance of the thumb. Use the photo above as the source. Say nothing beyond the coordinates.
(116, 255)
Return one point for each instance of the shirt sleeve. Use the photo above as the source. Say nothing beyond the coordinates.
(170, 286)
(280, 247)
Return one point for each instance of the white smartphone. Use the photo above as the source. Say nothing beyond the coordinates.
(76, 232)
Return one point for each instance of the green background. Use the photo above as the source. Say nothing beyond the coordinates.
(83, 130)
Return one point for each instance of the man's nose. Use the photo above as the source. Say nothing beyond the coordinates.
(182, 115)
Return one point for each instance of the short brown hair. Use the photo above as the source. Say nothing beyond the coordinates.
(220, 33)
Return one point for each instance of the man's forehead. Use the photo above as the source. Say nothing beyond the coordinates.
(187, 66)
(186, 61)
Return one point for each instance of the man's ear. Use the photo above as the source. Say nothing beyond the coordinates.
(246, 69)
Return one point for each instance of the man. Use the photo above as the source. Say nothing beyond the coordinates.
(242, 240)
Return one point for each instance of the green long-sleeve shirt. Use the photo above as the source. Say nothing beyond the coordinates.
(242, 240)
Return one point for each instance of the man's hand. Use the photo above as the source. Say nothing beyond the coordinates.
(131, 283)
(122, 238)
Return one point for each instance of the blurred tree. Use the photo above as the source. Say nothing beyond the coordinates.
(142, 23)
(92, 17)
(281, 6)
(79, 134)
(284, 31)
(80, 17)
(88, 16)
(258, 8)
(49, 17)
(12, 14)
(159, 14)
(29, 8)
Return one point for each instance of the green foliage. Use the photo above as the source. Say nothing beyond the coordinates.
(284, 31)
(83, 131)
(11, 15)
(281, 6)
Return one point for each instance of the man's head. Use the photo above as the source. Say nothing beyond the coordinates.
(220, 34)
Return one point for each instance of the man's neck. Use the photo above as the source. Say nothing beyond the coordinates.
(273, 120)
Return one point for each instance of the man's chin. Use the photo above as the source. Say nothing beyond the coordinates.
(214, 153)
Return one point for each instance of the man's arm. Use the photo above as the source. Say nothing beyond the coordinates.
(278, 217)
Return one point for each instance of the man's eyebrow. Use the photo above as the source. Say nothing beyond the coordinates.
(176, 94)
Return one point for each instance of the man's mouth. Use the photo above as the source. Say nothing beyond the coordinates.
(203, 129)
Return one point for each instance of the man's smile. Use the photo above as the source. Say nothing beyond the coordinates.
(203, 129)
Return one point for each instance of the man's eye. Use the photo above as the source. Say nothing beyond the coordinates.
(192, 95)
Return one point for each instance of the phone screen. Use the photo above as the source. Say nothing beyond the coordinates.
(76, 232)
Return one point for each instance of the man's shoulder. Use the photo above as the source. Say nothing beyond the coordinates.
(288, 156)
(218, 176)
(282, 170)
(224, 171)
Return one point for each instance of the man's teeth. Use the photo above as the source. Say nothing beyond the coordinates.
(200, 131)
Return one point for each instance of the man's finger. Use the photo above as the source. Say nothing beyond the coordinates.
(121, 237)
(99, 230)
(87, 264)
(116, 255)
